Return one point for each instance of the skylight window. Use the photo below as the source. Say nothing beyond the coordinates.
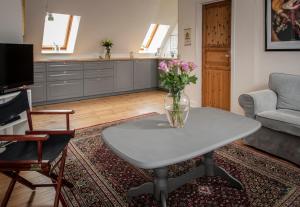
(60, 33)
(154, 38)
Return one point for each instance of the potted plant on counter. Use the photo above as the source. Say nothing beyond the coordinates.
(175, 75)
(107, 44)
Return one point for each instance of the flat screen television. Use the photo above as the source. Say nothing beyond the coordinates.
(16, 65)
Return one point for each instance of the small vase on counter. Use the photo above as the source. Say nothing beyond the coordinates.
(107, 44)
(107, 54)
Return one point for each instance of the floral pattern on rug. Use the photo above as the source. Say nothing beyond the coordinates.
(101, 178)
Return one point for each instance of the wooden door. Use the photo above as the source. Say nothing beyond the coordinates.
(216, 55)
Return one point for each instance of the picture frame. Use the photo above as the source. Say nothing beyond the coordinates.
(187, 37)
(282, 25)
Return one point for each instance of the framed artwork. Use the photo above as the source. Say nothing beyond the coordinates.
(188, 37)
(282, 25)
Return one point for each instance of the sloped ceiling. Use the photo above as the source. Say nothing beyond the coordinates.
(124, 21)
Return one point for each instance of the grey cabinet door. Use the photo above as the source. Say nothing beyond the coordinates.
(98, 73)
(39, 77)
(154, 74)
(38, 92)
(39, 67)
(142, 74)
(64, 75)
(123, 76)
(64, 89)
(97, 86)
(145, 74)
(64, 66)
(38, 89)
(98, 65)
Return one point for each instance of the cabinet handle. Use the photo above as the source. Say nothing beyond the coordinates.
(65, 74)
(37, 86)
(60, 65)
(62, 84)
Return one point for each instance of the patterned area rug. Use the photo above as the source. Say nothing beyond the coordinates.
(102, 179)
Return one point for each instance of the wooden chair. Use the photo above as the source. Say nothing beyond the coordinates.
(39, 150)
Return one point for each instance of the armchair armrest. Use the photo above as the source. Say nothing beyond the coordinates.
(258, 101)
(52, 132)
(11, 138)
(51, 112)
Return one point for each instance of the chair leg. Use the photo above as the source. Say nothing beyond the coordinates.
(9, 190)
(53, 176)
(20, 179)
(62, 200)
(58, 195)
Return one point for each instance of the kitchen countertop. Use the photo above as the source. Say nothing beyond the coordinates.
(98, 59)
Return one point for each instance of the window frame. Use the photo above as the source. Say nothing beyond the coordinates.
(156, 26)
(67, 37)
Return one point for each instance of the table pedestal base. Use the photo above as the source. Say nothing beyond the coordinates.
(162, 185)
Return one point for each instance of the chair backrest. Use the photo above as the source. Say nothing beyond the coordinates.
(14, 107)
(287, 88)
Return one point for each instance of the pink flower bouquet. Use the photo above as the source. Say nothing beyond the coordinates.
(174, 76)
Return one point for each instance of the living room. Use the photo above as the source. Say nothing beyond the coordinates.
(125, 81)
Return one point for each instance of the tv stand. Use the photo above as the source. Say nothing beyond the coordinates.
(12, 90)
(10, 120)
(18, 125)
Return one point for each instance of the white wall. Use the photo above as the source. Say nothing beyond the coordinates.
(124, 21)
(11, 23)
(251, 64)
(187, 18)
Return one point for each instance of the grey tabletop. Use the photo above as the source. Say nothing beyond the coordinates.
(150, 143)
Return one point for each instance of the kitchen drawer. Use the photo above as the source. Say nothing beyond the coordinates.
(39, 77)
(98, 73)
(38, 92)
(64, 75)
(39, 67)
(64, 89)
(59, 66)
(98, 65)
(95, 86)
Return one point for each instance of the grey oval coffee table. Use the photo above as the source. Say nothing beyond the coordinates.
(150, 143)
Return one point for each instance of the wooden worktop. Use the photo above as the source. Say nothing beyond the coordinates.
(98, 59)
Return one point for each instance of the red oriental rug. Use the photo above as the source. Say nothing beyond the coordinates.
(101, 178)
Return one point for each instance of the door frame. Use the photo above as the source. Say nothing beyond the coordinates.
(198, 34)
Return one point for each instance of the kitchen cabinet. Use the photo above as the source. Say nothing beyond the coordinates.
(64, 80)
(123, 76)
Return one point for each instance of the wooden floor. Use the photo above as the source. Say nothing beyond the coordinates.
(88, 113)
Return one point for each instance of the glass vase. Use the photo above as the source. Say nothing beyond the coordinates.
(107, 54)
(177, 107)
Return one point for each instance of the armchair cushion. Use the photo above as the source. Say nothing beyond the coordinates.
(20, 151)
(282, 120)
(257, 102)
(287, 88)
